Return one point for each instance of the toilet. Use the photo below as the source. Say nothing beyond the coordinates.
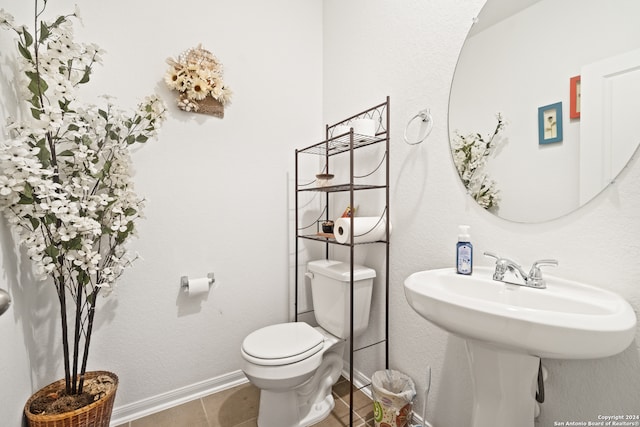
(294, 364)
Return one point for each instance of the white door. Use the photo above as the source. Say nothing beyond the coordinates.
(609, 124)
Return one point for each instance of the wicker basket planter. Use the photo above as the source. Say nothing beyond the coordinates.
(97, 414)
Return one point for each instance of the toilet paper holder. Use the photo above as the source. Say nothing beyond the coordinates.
(184, 281)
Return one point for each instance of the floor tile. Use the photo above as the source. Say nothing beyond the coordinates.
(190, 414)
(361, 402)
(251, 423)
(369, 423)
(333, 420)
(238, 407)
(232, 407)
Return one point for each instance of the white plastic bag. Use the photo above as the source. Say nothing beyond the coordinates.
(393, 394)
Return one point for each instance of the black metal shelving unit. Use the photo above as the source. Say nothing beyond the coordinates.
(347, 144)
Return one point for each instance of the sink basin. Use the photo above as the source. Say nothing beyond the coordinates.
(567, 320)
(507, 329)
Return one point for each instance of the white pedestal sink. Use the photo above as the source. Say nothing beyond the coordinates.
(507, 328)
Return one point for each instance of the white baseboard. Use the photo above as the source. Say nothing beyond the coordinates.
(360, 380)
(142, 408)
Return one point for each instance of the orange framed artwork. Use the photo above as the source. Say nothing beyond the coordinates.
(574, 97)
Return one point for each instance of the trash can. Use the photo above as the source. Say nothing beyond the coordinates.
(393, 394)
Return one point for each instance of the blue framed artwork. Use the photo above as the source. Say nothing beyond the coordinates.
(550, 123)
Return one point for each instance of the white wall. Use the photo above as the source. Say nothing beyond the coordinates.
(374, 48)
(216, 192)
(14, 330)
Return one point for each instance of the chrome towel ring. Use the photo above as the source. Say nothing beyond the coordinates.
(425, 116)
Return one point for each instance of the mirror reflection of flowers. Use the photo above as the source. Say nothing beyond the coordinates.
(470, 154)
(197, 74)
(65, 176)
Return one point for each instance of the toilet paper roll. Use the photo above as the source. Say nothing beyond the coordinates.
(365, 127)
(198, 286)
(365, 229)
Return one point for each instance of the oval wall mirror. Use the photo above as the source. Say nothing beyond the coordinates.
(544, 103)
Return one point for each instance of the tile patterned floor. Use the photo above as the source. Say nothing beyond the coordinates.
(238, 407)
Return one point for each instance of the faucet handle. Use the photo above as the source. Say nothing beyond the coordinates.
(535, 275)
(492, 255)
(535, 268)
(501, 266)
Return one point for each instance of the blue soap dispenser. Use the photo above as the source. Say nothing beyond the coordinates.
(464, 251)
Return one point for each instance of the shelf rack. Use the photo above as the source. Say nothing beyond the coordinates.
(348, 143)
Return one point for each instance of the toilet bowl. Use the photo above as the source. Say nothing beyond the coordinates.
(294, 364)
(291, 393)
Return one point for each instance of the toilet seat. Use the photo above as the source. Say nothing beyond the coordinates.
(282, 344)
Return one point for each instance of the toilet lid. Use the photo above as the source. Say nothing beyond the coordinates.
(283, 343)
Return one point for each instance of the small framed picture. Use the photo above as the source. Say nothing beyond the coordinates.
(574, 97)
(550, 123)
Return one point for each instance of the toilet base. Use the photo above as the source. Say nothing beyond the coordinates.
(307, 404)
(290, 399)
(276, 410)
(318, 412)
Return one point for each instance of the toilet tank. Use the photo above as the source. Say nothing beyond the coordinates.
(330, 291)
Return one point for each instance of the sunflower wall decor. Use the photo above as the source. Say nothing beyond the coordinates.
(197, 76)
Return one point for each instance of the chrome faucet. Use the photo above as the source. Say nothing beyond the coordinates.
(533, 280)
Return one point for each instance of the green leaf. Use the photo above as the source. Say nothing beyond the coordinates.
(28, 38)
(37, 86)
(59, 21)
(26, 197)
(131, 139)
(44, 32)
(85, 76)
(52, 251)
(74, 244)
(83, 277)
(24, 51)
(35, 101)
(103, 114)
(25, 200)
(35, 223)
(28, 189)
(66, 153)
(142, 138)
(44, 155)
(35, 112)
(130, 211)
(64, 104)
(123, 235)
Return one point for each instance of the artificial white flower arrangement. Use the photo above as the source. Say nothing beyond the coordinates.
(470, 156)
(197, 76)
(65, 176)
